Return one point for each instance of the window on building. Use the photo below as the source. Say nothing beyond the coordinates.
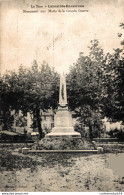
(44, 118)
(52, 125)
(52, 118)
(17, 123)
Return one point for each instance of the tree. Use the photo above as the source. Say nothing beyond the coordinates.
(40, 91)
(85, 87)
(114, 83)
(33, 90)
(6, 119)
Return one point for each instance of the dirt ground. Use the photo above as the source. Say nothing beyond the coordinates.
(61, 172)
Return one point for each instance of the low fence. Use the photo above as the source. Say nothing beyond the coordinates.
(112, 147)
(105, 139)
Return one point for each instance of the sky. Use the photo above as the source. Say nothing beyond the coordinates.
(54, 37)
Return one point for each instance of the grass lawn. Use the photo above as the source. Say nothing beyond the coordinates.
(61, 172)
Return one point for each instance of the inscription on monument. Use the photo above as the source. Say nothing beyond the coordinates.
(62, 122)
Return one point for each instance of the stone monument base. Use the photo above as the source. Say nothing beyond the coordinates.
(63, 124)
(67, 134)
(62, 143)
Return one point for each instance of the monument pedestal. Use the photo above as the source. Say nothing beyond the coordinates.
(63, 124)
(62, 136)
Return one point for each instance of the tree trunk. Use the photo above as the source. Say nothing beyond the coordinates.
(39, 123)
(90, 133)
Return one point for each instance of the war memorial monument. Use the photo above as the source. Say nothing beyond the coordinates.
(63, 120)
(62, 135)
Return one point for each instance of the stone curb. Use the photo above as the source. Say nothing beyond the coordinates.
(62, 151)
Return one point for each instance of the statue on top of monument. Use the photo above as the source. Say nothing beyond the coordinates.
(62, 92)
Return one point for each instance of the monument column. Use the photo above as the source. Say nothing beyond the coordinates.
(62, 92)
(63, 125)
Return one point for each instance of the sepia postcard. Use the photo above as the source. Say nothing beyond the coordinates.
(59, 33)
